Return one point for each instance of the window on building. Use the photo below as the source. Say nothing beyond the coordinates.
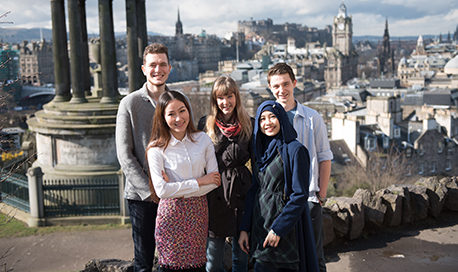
(397, 132)
(370, 143)
(450, 147)
(421, 168)
(448, 165)
(433, 167)
(409, 152)
(421, 151)
(409, 170)
(440, 146)
(386, 142)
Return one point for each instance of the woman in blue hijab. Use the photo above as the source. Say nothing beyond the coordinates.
(276, 211)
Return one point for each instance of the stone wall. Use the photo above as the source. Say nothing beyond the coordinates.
(348, 217)
(394, 206)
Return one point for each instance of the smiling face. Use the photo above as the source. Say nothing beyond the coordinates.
(283, 89)
(176, 116)
(226, 104)
(156, 69)
(269, 123)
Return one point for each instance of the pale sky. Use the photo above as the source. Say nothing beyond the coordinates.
(405, 18)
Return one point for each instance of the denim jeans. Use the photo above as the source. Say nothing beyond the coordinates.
(143, 220)
(316, 213)
(215, 255)
(266, 267)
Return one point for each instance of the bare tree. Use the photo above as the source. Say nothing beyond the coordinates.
(5, 100)
(384, 168)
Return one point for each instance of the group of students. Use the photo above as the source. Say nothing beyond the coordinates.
(188, 188)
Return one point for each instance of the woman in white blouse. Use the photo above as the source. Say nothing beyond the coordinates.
(183, 169)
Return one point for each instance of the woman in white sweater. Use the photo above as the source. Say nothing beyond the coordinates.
(183, 169)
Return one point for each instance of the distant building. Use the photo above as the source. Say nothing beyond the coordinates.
(342, 59)
(386, 55)
(427, 142)
(204, 49)
(10, 72)
(37, 67)
(278, 34)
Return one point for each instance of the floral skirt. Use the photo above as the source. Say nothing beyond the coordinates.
(181, 232)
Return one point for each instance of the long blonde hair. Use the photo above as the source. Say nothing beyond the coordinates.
(225, 85)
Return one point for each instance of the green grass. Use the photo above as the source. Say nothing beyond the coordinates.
(10, 227)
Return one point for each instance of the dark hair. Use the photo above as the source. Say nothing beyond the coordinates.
(160, 134)
(280, 69)
(155, 48)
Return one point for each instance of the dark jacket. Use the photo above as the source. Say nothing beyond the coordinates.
(226, 203)
(296, 165)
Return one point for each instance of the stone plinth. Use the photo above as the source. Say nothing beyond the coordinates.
(76, 139)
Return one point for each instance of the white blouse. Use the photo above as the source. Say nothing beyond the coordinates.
(182, 161)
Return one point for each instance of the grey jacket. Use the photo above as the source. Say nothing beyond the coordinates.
(133, 131)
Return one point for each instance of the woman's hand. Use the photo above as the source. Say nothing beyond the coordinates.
(210, 178)
(272, 239)
(164, 176)
(243, 242)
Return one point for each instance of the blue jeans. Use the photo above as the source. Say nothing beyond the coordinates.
(316, 213)
(266, 267)
(215, 255)
(143, 220)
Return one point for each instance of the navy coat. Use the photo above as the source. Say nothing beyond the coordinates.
(296, 212)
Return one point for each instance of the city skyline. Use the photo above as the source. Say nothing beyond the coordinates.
(409, 18)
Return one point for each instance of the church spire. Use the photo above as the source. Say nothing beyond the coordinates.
(178, 25)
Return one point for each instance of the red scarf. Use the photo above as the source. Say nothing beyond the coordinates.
(230, 129)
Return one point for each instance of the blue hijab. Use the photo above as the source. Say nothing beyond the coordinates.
(265, 147)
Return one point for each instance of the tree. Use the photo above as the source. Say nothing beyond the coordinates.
(384, 167)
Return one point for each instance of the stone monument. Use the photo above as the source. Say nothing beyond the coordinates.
(76, 134)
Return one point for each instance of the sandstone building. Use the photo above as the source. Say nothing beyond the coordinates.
(36, 63)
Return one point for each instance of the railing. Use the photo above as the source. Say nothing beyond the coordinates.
(14, 190)
(53, 198)
(81, 196)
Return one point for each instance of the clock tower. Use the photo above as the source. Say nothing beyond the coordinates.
(341, 59)
(342, 31)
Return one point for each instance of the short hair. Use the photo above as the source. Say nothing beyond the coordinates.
(280, 68)
(155, 48)
(160, 134)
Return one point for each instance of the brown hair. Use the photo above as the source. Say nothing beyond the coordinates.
(155, 48)
(280, 69)
(225, 85)
(160, 134)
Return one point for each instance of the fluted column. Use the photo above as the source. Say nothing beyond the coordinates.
(142, 39)
(76, 52)
(60, 52)
(85, 48)
(132, 45)
(108, 53)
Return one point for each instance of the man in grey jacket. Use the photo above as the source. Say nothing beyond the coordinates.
(133, 131)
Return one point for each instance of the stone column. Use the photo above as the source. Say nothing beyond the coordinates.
(132, 45)
(142, 39)
(60, 52)
(108, 53)
(37, 210)
(124, 211)
(85, 47)
(76, 52)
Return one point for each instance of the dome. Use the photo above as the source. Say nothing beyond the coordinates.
(452, 66)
